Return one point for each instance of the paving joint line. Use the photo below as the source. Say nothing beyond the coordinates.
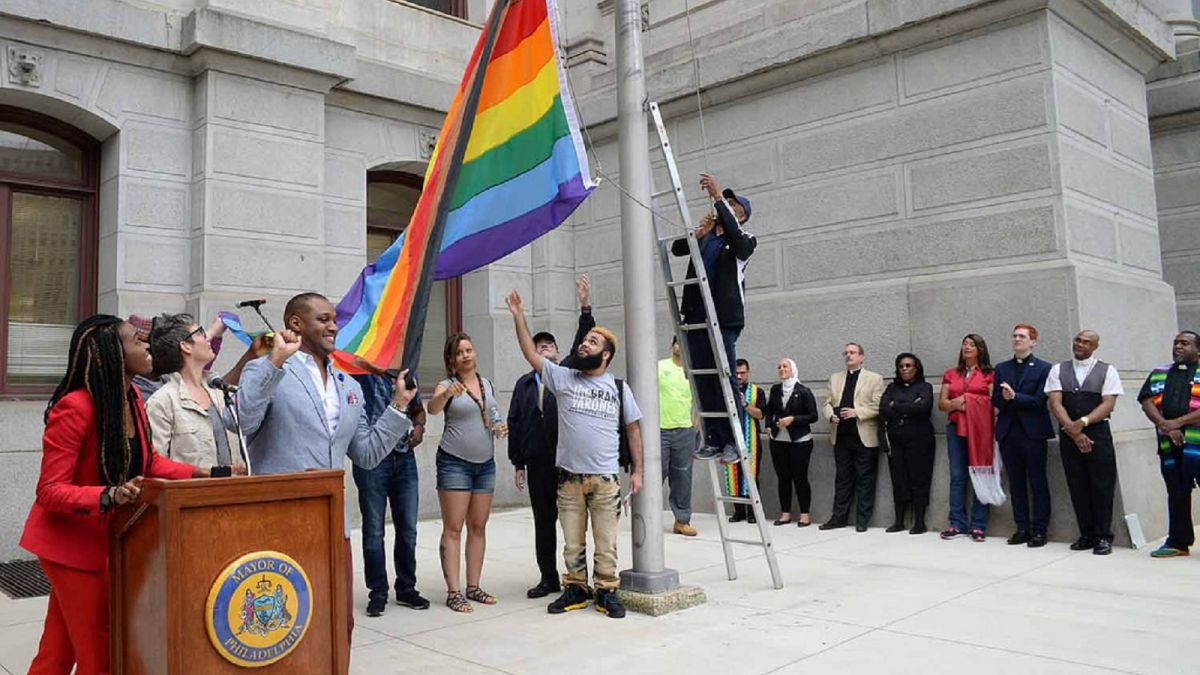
(468, 622)
(1058, 659)
(886, 627)
(455, 657)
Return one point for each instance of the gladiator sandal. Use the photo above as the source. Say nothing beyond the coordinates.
(458, 603)
(479, 595)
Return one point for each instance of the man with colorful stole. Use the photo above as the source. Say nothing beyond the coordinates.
(1170, 398)
(754, 399)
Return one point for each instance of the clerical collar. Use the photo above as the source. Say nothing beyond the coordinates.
(1084, 363)
(1184, 366)
(1021, 360)
(855, 371)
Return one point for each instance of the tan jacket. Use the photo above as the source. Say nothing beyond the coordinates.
(180, 427)
(866, 404)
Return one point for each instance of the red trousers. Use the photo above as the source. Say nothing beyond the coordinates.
(76, 629)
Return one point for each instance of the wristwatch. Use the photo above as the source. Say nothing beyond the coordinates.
(1085, 420)
(106, 500)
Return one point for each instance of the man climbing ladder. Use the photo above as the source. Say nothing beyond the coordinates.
(726, 249)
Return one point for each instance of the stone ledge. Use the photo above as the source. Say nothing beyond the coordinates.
(223, 32)
(658, 604)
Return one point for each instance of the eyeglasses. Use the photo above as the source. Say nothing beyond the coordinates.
(198, 331)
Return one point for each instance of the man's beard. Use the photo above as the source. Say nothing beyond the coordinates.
(585, 363)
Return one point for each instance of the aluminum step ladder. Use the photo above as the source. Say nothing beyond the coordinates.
(682, 231)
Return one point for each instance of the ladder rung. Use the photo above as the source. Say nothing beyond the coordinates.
(661, 193)
(672, 238)
(685, 282)
(693, 326)
(722, 415)
(735, 500)
(751, 542)
(705, 371)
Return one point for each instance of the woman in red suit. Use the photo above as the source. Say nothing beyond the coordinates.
(95, 451)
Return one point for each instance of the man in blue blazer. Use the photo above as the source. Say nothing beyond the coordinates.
(1022, 429)
(298, 413)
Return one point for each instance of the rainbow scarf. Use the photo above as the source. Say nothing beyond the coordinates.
(1191, 435)
(735, 482)
(508, 167)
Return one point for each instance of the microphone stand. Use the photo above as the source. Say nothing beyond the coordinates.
(232, 401)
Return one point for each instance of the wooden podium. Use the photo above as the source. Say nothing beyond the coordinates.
(190, 548)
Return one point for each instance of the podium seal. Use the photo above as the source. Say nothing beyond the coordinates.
(258, 609)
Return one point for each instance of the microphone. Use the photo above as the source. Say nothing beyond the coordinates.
(256, 304)
(217, 383)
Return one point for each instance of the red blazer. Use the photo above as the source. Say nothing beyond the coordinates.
(65, 524)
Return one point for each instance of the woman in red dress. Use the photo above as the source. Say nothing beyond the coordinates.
(966, 394)
(95, 450)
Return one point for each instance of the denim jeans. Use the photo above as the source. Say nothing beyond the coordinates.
(960, 480)
(677, 448)
(394, 481)
(717, 432)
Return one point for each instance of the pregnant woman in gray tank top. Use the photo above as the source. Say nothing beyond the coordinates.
(466, 468)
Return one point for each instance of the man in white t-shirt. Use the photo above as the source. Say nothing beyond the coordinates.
(591, 410)
(1082, 394)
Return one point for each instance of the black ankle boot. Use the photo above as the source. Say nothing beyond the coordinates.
(918, 521)
(899, 524)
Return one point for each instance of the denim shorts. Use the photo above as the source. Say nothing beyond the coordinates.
(459, 475)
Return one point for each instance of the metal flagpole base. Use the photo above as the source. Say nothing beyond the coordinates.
(649, 582)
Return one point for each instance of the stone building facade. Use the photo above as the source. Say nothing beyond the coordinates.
(920, 169)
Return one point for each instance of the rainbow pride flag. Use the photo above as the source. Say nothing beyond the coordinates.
(509, 166)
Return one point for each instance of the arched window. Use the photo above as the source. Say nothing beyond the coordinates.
(49, 178)
(391, 199)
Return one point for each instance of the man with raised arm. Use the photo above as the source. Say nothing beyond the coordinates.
(592, 409)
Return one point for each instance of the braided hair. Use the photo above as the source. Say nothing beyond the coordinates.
(97, 364)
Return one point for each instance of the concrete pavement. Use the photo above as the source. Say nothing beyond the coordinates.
(853, 603)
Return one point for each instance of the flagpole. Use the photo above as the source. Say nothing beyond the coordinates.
(649, 573)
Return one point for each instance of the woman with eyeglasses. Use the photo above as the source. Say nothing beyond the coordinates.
(189, 419)
(466, 468)
(906, 407)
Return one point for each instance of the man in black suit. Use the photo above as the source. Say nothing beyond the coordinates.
(532, 444)
(1022, 429)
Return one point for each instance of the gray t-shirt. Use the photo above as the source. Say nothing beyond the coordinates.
(465, 436)
(588, 419)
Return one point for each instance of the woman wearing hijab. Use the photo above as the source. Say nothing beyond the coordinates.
(906, 406)
(966, 394)
(791, 410)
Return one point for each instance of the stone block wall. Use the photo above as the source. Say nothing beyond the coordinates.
(235, 148)
(963, 183)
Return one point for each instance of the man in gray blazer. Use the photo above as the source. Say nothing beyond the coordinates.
(299, 414)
